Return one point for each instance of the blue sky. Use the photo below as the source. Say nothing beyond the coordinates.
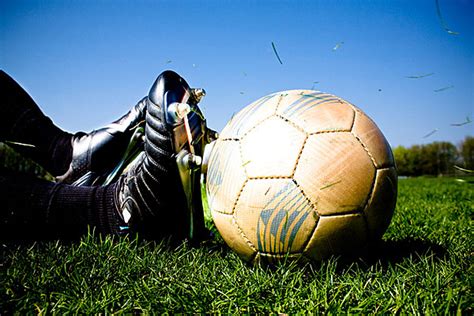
(87, 62)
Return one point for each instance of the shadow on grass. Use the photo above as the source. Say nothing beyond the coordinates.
(393, 251)
(388, 252)
(385, 254)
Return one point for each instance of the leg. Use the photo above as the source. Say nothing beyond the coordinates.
(37, 209)
(82, 158)
(22, 122)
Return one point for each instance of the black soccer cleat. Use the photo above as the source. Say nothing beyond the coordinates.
(160, 195)
(96, 154)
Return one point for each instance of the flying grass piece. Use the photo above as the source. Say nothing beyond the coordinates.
(443, 88)
(330, 185)
(276, 53)
(314, 83)
(420, 76)
(169, 61)
(468, 120)
(337, 46)
(463, 169)
(430, 133)
(20, 144)
(246, 163)
(441, 20)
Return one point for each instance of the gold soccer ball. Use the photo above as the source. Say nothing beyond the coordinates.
(301, 174)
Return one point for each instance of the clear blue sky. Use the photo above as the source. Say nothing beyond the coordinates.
(87, 62)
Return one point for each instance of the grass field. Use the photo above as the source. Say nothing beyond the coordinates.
(424, 265)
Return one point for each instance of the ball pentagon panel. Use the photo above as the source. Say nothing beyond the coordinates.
(335, 172)
(272, 148)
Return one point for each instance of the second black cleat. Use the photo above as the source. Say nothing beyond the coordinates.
(96, 154)
(160, 194)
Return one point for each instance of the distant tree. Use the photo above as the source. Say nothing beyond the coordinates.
(416, 160)
(466, 151)
(400, 154)
(408, 160)
(437, 158)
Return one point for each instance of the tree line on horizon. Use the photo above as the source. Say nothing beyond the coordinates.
(435, 159)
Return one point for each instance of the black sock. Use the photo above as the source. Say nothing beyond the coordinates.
(32, 208)
(22, 121)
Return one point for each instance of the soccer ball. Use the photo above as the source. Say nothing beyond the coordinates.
(301, 174)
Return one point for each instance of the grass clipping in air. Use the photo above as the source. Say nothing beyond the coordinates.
(423, 266)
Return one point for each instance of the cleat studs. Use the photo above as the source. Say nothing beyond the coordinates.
(198, 94)
(193, 161)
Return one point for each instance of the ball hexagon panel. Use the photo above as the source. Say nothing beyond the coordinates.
(338, 235)
(335, 172)
(275, 216)
(271, 149)
(232, 235)
(317, 112)
(381, 205)
(250, 116)
(368, 132)
(225, 176)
